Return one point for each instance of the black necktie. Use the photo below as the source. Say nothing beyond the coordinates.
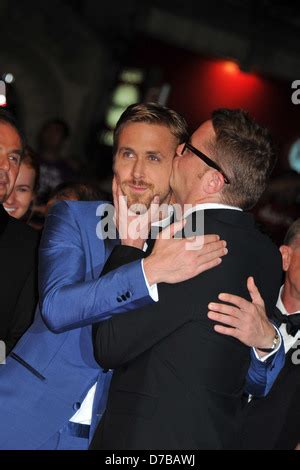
(292, 321)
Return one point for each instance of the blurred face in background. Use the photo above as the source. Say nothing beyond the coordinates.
(143, 163)
(68, 195)
(291, 265)
(10, 156)
(22, 195)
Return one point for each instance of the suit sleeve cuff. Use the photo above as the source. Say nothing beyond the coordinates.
(264, 358)
(153, 292)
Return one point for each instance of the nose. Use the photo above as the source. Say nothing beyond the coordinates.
(138, 169)
(4, 163)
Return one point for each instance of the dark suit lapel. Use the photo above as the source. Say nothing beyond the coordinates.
(109, 246)
(4, 218)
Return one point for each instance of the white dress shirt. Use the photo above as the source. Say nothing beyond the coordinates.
(288, 340)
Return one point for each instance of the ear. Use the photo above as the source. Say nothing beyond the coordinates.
(214, 182)
(286, 254)
(179, 149)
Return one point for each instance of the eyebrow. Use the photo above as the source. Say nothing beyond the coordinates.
(127, 149)
(18, 151)
(154, 152)
(21, 185)
(148, 152)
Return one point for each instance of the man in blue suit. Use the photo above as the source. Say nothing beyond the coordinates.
(52, 391)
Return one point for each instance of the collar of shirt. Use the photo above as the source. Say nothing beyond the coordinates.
(288, 340)
(209, 205)
(281, 306)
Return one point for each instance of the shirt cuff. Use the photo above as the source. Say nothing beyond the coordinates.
(153, 292)
(264, 358)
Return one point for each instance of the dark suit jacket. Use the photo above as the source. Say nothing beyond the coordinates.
(273, 422)
(177, 384)
(18, 271)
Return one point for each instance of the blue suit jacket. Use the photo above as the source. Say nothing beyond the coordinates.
(40, 395)
(53, 366)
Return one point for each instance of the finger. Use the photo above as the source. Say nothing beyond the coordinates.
(205, 257)
(152, 215)
(121, 213)
(204, 239)
(225, 319)
(227, 331)
(214, 246)
(254, 292)
(225, 309)
(173, 228)
(193, 244)
(114, 185)
(239, 302)
(208, 265)
(114, 192)
(115, 201)
(122, 201)
(210, 239)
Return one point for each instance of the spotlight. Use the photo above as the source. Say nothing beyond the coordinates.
(9, 78)
(2, 100)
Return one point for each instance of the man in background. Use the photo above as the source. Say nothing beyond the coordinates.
(18, 244)
(272, 422)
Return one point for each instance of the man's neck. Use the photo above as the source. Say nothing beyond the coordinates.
(290, 298)
(193, 202)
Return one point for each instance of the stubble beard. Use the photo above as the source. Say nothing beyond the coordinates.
(140, 203)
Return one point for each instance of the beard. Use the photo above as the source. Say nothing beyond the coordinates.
(140, 203)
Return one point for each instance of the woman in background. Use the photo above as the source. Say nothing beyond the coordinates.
(20, 202)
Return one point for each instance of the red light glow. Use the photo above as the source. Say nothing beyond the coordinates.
(230, 67)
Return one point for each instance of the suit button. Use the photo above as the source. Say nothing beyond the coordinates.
(119, 299)
(128, 294)
(76, 406)
(124, 297)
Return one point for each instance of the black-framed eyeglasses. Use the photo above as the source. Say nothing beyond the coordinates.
(206, 159)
